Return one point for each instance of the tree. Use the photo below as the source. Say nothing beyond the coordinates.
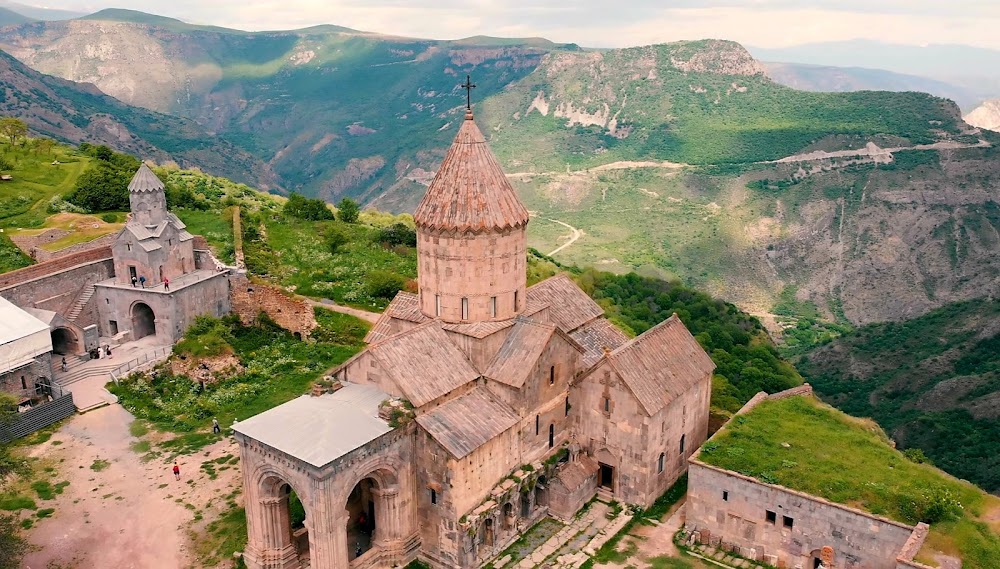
(348, 210)
(101, 187)
(45, 146)
(306, 208)
(13, 129)
(398, 234)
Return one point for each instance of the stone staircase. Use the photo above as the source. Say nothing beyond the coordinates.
(81, 301)
(77, 371)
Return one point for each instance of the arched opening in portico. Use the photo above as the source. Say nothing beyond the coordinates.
(361, 512)
(284, 519)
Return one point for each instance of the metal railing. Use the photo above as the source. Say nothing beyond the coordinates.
(156, 355)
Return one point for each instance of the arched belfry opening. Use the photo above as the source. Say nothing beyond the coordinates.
(143, 321)
(285, 518)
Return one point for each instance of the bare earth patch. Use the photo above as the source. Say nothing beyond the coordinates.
(131, 513)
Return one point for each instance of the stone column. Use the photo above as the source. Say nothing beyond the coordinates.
(388, 523)
(328, 541)
(270, 537)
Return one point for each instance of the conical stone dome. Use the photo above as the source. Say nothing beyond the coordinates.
(470, 192)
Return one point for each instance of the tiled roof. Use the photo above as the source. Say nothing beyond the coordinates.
(661, 364)
(470, 191)
(423, 363)
(479, 330)
(595, 336)
(575, 474)
(517, 356)
(468, 422)
(145, 180)
(570, 306)
(405, 306)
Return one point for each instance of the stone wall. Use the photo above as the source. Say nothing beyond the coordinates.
(21, 382)
(33, 244)
(249, 299)
(171, 260)
(21, 276)
(733, 509)
(56, 285)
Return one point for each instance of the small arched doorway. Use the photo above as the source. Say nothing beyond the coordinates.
(542, 492)
(64, 341)
(361, 518)
(143, 321)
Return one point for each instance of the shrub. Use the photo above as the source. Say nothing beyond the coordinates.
(335, 239)
(384, 284)
(306, 208)
(398, 234)
(109, 217)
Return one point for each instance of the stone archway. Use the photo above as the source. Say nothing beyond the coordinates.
(64, 341)
(143, 321)
(281, 540)
(374, 516)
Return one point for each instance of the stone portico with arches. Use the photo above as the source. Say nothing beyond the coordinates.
(479, 406)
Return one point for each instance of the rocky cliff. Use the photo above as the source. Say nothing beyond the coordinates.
(986, 115)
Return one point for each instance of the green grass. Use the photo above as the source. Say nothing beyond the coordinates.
(223, 537)
(13, 503)
(849, 461)
(99, 464)
(46, 490)
(138, 428)
(279, 367)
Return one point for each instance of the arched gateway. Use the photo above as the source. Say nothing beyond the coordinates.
(143, 321)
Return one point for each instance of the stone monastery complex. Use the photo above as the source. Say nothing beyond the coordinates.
(480, 405)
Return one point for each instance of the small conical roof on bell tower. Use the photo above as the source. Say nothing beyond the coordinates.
(470, 192)
(145, 180)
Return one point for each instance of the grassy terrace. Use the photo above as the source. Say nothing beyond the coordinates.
(808, 446)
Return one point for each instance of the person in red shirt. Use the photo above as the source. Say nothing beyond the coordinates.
(177, 471)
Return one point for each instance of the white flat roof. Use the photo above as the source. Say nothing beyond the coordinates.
(319, 430)
(22, 336)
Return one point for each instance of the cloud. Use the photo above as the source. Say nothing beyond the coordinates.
(599, 23)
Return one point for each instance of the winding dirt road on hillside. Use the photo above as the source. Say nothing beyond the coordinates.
(573, 236)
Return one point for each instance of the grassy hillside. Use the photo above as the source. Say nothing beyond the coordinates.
(931, 382)
(807, 446)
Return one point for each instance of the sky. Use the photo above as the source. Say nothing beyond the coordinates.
(603, 23)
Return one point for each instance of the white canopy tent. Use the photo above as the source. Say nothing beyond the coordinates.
(22, 337)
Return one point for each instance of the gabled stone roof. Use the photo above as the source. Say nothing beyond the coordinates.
(570, 306)
(515, 360)
(597, 336)
(404, 306)
(468, 422)
(470, 192)
(423, 363)
(145, 180)
(661, 364)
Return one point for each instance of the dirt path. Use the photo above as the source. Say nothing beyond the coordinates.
(355, 312)
(872, 150)
(573, 236)
(128, 514)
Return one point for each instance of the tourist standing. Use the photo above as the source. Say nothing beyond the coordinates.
(166, 283)
(134, 281)
(177, 471)
(215, 426)
(65, 367)
(142, 281)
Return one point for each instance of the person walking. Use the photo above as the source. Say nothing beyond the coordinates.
(65, 367)
(166, 283)
(142, 281)
(215, 426)
(134, 281)
(107, 350)
(177, 471)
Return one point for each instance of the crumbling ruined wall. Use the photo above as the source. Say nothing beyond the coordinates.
(249, 299)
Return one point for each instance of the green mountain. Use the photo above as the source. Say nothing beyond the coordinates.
(37, 13)
(76, 113)
(932, 382)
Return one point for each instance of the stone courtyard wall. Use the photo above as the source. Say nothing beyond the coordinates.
(732, 509)
(56, 285)
(249, 299)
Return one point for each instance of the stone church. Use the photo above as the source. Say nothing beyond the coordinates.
(479, 406)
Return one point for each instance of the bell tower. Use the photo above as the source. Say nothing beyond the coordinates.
(471, 236)
(146, 198)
